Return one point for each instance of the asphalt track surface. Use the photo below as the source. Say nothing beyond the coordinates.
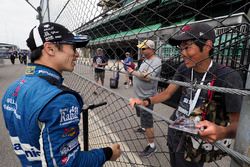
(8, 74)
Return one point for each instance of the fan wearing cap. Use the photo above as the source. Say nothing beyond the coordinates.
(42, 115)
(144, 88)
(195, 43)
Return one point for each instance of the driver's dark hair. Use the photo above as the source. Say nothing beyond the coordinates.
(37, 53)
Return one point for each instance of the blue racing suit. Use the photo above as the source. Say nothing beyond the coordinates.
(42, 118)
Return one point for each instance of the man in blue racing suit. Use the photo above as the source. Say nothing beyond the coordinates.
(41, 114)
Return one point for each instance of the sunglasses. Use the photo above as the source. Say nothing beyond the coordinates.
(67, 43)
(144, 48)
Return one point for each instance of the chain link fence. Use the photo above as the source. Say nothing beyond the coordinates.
(116, 123)
(118, 26)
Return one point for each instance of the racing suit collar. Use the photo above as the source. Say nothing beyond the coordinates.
(42, 70)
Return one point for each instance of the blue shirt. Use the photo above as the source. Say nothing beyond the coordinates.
(127, 62)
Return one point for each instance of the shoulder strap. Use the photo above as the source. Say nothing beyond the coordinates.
(54, 82)
(215, 73)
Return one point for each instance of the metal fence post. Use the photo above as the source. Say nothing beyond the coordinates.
(38, 10)
(85, 122)
(48, 10)
(242, 142)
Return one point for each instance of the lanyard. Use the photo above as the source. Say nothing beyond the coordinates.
(192, 102)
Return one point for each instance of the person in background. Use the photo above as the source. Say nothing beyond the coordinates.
(128, 62)
(24, 57)
(13, 54)
(214, 114)
(20, 56)
(41, 114)
(99, 63)
(144, 87)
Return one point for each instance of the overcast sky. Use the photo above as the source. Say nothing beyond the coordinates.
(17, 19)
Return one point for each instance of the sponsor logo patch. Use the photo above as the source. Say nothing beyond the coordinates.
(30, 70)
(70, 132)
(11, 105)
(48, 73)
(69, 115)
(65, 158)
(66, 148)
(31, 152)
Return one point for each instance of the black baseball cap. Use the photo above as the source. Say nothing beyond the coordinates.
(53, 32)
(194, 31)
